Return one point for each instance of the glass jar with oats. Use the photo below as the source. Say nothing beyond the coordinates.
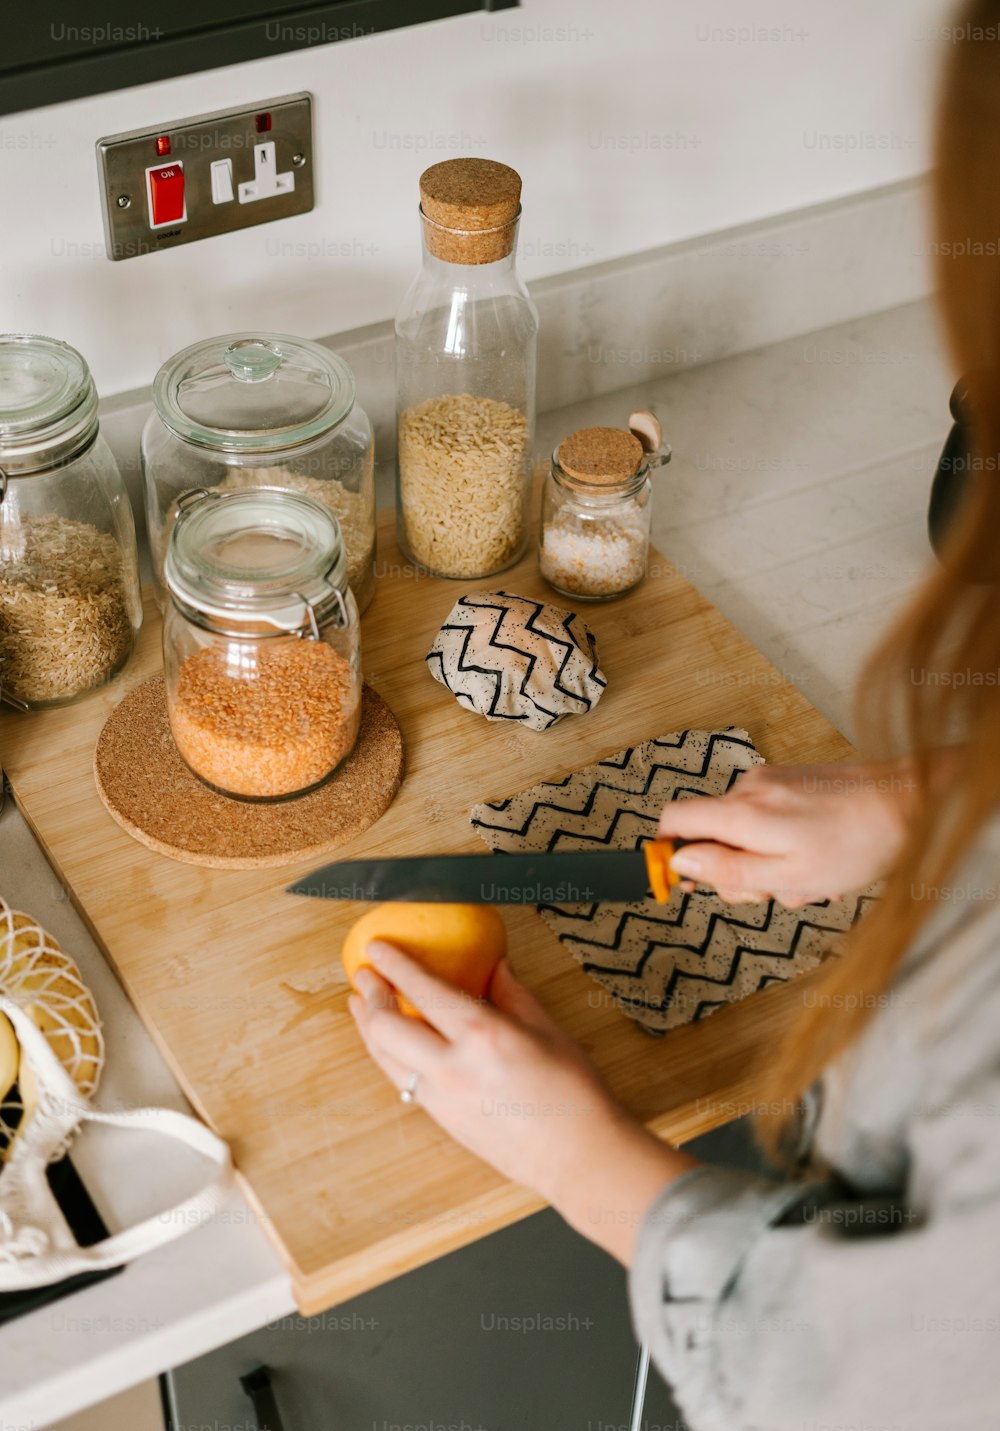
(261, 645)
(255, 411)
(69, 577)
(466, 339)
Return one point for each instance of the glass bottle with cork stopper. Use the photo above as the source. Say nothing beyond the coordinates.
(466, 338)
(597, 508)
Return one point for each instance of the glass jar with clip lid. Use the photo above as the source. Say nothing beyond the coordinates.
(261, 411)
(69, 577)
(261, 643)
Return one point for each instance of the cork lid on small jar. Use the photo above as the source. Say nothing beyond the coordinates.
(470, 206)
(600, 456)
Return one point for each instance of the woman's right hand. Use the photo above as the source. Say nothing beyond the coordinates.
(799, 833)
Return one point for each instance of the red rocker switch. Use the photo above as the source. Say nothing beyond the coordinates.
(165, 184)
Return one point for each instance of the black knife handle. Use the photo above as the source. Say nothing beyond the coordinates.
(258, 1386)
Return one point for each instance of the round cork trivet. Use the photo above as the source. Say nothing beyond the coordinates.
(600, 455)
(470, 207)
(148, 789)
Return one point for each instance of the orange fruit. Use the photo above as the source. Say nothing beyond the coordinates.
(462, 943)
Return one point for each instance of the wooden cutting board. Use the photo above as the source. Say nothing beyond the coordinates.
(240, 984)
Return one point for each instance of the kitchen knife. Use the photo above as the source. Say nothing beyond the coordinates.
(545, 877)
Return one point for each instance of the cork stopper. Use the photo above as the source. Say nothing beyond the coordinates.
(470, 207)
(600, 456)
(645, 425)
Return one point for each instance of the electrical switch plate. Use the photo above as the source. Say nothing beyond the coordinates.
(232, 180)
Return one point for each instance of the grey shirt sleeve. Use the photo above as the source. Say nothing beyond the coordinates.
(788, 1306)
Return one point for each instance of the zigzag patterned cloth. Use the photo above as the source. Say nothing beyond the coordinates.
(663, 964)
(513, 658)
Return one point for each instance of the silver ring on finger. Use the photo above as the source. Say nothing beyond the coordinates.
(408, 1092)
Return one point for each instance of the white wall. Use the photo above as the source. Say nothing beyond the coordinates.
(633, 122)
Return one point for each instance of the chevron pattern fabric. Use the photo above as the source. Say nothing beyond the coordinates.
(511, 658)
(663, 964)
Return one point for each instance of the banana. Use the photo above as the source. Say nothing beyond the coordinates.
(10, 1056)
(47, 983)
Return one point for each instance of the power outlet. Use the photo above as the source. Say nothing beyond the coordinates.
(266, 181)
(212, 174)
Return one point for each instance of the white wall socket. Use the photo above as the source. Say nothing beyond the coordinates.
(266, 181)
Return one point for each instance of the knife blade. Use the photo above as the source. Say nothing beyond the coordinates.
(544, 877)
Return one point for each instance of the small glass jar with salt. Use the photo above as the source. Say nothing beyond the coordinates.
(597, 507)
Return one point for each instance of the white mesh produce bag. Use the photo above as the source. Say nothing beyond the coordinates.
(61, 1055)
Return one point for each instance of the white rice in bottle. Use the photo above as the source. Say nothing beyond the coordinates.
(463, 481)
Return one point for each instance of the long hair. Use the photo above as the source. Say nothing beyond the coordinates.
(934, 679)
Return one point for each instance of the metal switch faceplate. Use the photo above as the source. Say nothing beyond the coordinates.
(239, 167)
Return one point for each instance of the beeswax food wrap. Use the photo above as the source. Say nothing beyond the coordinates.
(512, 658)
(663, 964)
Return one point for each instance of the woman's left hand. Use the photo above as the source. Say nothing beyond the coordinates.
(505, 1081)
(501, 1077)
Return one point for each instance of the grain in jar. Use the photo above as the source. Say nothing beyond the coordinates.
(65, 619)
(462, 466)
(272, 723)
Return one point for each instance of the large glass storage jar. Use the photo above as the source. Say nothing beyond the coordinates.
(593, 539)
(466, 338)
(69, 577)
(261, 643)
(251, 411)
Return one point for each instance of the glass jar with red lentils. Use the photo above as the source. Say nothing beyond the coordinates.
(261, 643)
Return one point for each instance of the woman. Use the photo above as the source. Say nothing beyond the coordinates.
(858, 1289)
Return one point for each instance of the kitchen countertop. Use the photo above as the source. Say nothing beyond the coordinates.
(796, 502)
